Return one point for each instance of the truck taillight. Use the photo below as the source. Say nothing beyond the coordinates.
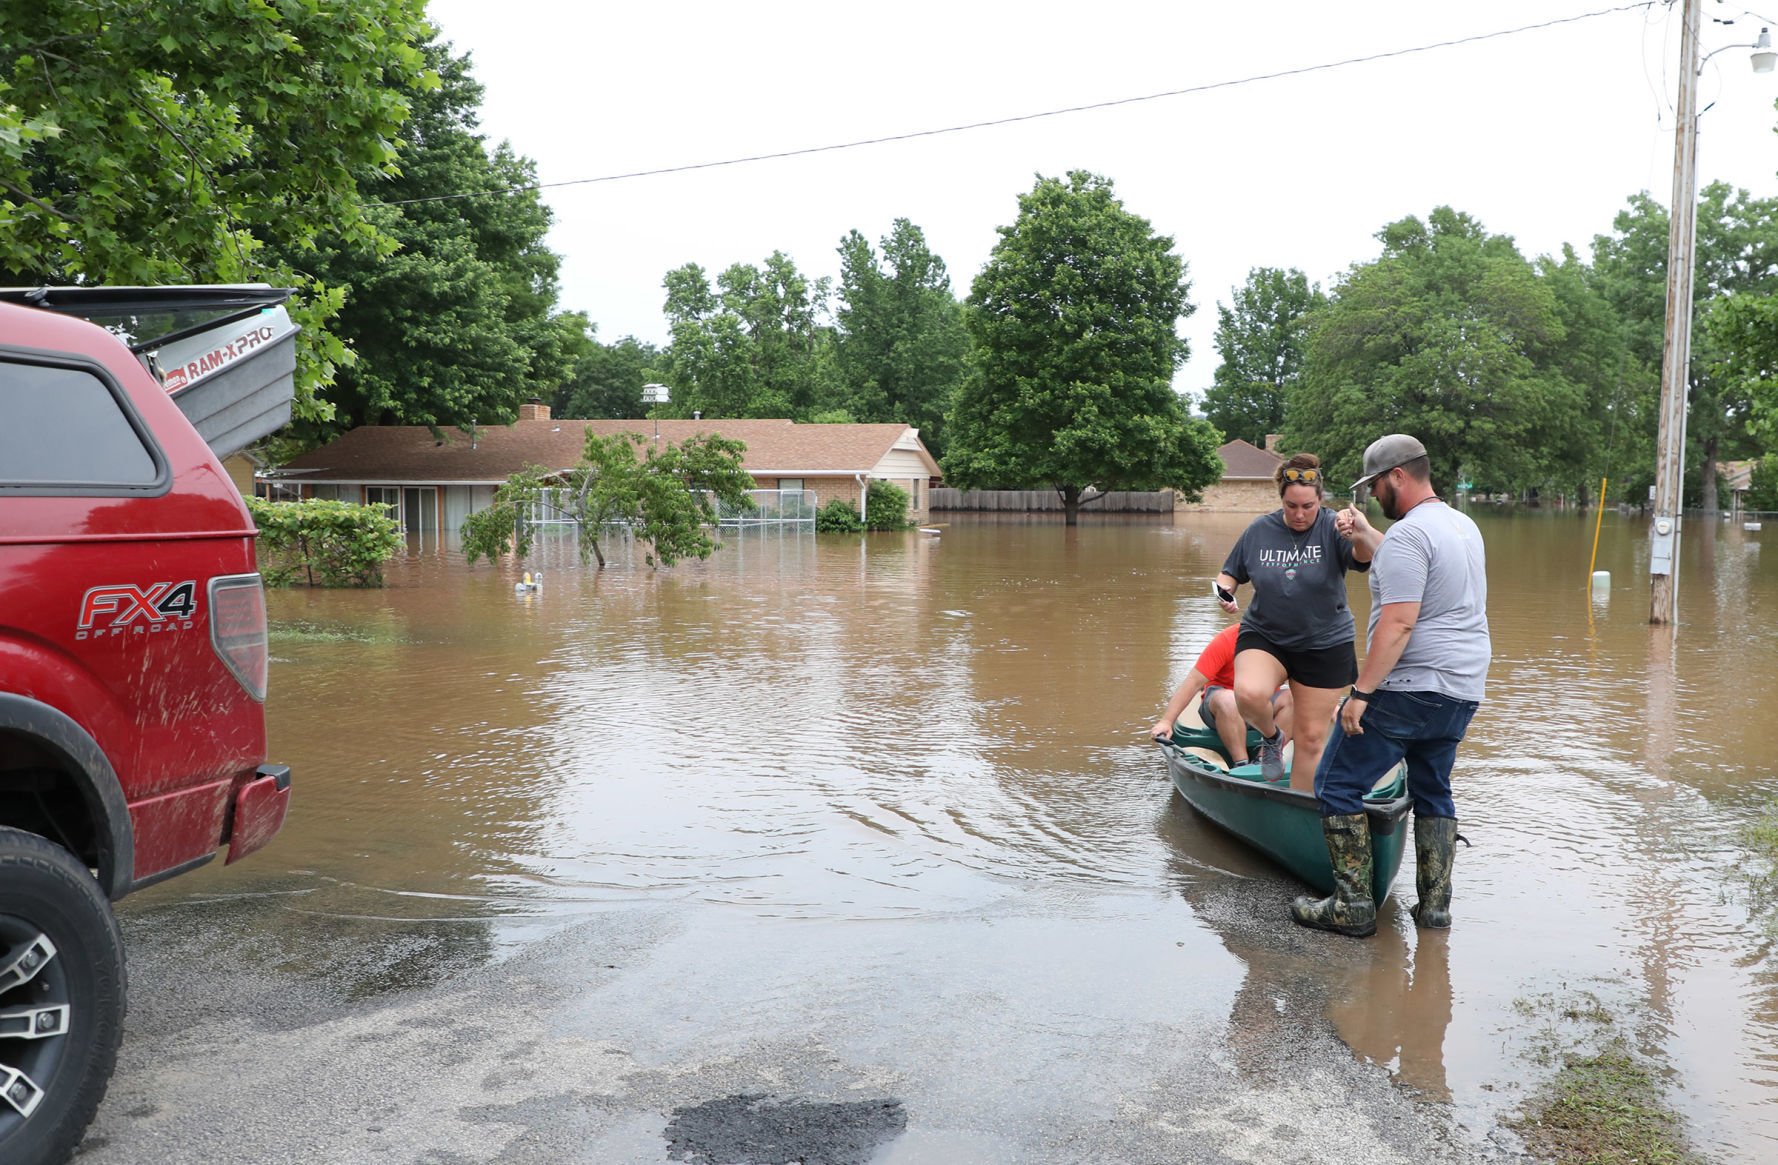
(237, 629)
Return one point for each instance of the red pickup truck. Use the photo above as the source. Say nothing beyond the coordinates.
(132, 662)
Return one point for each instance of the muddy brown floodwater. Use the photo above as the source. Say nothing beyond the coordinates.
(842, 728)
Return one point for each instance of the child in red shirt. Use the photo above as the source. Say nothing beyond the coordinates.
(1214, 675)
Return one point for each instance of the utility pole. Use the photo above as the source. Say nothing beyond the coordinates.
(1676, 349)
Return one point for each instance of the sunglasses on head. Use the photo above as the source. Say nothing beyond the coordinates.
(1309, 476)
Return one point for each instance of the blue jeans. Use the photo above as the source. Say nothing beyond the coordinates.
(1424, 727)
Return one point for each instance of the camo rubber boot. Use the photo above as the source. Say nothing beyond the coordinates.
(1350, 910)
(1435, 849)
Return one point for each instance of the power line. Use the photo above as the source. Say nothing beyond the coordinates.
(1014, 120)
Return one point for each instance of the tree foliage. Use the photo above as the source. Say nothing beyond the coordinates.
(1262, 338)
(1735, 259)
(1074, 319)
(1522, 376)
(1604, 393)
(1743, 333)
(667, 496)
(754, 345)
(1762, 486)
(173, 143)
(455, 326)
(1449, 335)
(902, 340)
(606, 379)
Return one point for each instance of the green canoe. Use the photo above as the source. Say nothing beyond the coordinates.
(1279, 821)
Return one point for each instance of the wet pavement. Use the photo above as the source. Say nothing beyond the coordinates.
(849, 850)
(662, 1033)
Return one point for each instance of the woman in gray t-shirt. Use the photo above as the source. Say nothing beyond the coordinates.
(1298, 627)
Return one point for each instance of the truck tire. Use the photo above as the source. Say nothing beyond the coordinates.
(61, 999)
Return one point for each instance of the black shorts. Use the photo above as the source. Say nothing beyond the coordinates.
(1314, 667)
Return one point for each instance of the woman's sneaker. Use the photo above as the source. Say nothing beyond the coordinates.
(1271, 757)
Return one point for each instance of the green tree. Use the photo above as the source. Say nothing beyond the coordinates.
(1075, 319)
(1262, 338)
(455, 327)
(1743, 333)
(1593, 386)
(1762, 488)
(172, 143)
(1735, 257)
(752, 346)
(667, 496)
(1449, 335)
(607, 379)
(902, 341)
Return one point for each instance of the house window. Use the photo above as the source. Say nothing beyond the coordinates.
(387, 496)
(278, 491)
(419, 506)
(790, 483)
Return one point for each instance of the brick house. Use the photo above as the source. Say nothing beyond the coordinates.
(433, 484)
(1247, 485)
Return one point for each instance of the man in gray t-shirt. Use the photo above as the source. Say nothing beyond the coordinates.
(1432, 557)
(1422, 680)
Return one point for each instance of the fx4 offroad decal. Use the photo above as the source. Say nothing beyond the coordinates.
(129, 609)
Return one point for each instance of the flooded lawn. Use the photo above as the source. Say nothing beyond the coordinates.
(834, 740)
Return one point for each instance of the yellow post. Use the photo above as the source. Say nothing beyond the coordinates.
(1598, 518)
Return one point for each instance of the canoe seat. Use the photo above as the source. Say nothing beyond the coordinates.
(1204, 744)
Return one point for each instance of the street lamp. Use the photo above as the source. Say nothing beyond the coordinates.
(1763, 58)
(656, 394)
(1663, 558)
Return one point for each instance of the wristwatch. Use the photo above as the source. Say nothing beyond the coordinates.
(1366, 696)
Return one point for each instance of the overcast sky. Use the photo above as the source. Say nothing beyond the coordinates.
(1541, 135)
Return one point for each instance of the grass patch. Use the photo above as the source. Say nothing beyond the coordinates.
(1757, 877)
(302, 631)
(1761, 837)
(1604, 1109)
(1574, 1019)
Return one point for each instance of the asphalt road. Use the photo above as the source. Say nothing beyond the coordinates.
(1048, 1026)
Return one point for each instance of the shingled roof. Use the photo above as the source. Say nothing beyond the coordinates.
(395, 453)
(1242, 459)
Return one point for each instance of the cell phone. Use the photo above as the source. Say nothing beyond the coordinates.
(1220, 592)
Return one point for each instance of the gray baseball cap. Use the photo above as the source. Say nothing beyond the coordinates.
(1385, 453)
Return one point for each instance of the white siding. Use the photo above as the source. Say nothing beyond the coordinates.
(900, 465)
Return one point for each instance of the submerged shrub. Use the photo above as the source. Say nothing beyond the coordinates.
(320, 542)
(886, 507)
(839, 516)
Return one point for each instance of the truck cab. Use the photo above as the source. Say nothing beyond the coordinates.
(133, 657)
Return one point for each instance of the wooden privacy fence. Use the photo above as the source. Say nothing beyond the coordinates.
(1026, 501)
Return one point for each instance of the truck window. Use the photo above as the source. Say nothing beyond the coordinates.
(65, 430)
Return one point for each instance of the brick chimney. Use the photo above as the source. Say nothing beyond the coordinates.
(534, 410)
(1272, 439)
